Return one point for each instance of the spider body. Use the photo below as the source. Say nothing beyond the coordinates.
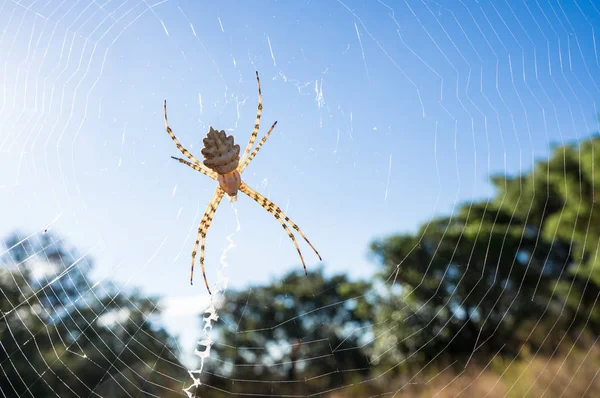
(222, 163)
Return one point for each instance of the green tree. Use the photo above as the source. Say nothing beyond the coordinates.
(561, 198)
(300, 335)
(62, 335)
(479, 280)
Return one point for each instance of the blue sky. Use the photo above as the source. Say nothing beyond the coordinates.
(388, 113)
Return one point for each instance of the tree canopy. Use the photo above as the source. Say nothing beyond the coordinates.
(63, 335)
(516, 269)
(297, 328)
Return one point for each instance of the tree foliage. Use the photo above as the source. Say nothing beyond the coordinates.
(519, 268)
(62, 335)
(293, 331)
(559, 200)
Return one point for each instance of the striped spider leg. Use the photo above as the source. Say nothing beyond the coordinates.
(246, 162)
(197, 165)
(281, 217)
(264, 202)
(212, 206)
(202, 228)
(256, 122)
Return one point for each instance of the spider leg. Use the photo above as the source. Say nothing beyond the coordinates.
(256, 123)
(194, 166)
(280, 216)
(208, 172)
(202, 228)
(253, 154)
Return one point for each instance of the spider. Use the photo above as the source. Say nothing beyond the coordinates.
(222, 162)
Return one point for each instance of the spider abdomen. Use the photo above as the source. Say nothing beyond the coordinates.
(230, 183)
(220, 153)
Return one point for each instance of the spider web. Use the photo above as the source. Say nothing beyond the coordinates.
(391, 116)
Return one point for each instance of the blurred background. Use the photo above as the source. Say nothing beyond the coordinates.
(441, 156)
